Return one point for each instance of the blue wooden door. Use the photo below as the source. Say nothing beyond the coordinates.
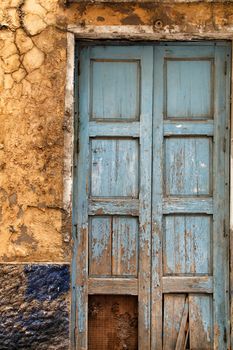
(151, 190)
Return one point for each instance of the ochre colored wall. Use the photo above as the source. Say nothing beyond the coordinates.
(35, 227)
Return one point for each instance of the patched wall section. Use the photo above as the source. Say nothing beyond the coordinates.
(35, 223)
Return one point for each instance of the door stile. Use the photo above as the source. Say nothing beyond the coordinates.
(157, 193)
(144, 277)
(221, 202)
(82, 206)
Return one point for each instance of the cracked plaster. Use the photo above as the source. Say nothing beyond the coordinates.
(33, 48)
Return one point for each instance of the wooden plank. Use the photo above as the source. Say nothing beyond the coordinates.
(187, 284)
(201, 322)
(187, 128)
(187, 205)
(81, 214)
(127, 286)
(187, 244)
(115, 89)
(182, 331)
(147, 33)
(157, 217)
(188, 166)
(144, 276)
(69, 170)
(114, 168)
(221, 204)
(173, 309)
(188, 87)
(98, 129)
(125, 234)
(113, 207)
(100, 239)
(227, 248)
(229, 187)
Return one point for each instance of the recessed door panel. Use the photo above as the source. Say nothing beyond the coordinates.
(189, 87)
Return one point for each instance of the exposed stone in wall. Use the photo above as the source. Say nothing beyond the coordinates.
(34, 307)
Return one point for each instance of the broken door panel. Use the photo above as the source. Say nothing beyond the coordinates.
(172, 315)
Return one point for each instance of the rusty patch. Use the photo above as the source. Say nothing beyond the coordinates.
(100, 19)
(132, 19)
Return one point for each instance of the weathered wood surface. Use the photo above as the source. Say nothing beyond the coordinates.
(179, 205)
(187, 284)
(181, 339)
(188, 128)
(221, 204)
(201, 322)
(126, 129)
(153, 221)
(117, 174)
(193, 256)
(113, 207)
(126, 286)
(113, 246)
(187, 245)
(173, 311)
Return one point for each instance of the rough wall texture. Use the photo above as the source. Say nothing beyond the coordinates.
(34, 225)
(34, 307)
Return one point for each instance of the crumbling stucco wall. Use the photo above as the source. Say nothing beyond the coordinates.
(35, 223)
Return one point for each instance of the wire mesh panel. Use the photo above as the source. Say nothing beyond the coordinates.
(112, 322)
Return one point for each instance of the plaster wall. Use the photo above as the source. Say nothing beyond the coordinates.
(36, 147)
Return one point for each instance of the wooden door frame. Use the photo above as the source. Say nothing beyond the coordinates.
(136, 34)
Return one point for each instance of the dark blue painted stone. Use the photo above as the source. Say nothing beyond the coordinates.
(45, 282)
(34, 313)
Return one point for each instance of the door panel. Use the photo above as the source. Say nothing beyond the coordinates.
(113, 246)
(115, 160)
(115, 89)
(189, 82)
(187, 245)
(188, 166)
(151, 195)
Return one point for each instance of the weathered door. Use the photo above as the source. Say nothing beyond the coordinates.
(190, 197)
(151, 196)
